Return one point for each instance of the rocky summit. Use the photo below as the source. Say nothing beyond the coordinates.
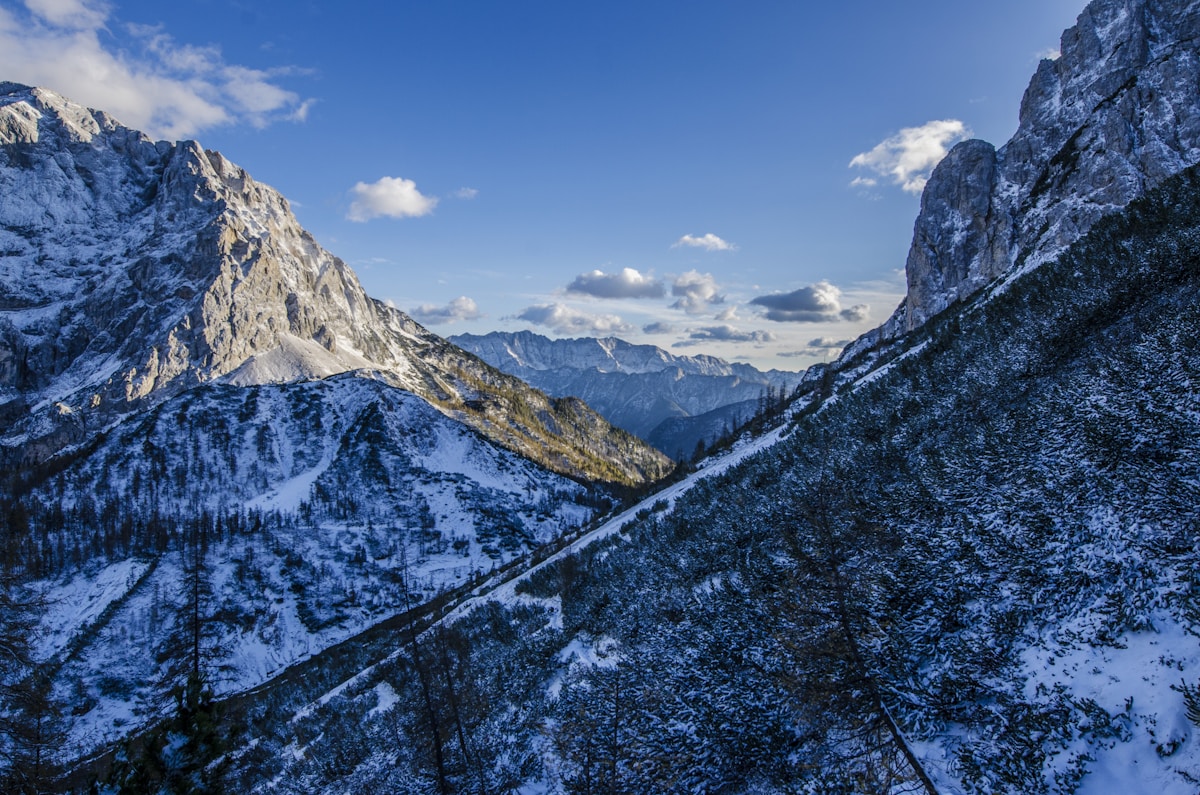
(134, 270)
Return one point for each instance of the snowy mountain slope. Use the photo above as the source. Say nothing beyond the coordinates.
(317, 502)
(636, 387)
(991, 545)
(974, 556)
(134, 270)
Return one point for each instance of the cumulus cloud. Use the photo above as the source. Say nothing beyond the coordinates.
(154, 84)
(708, 242)
(461, 308)
(658, 327)
(816, 303)
(568, 320)
(856, 314)
(825, 345)
(696, 292)
(629, 283)
(723, 333)
(393, 197)
(908, 157)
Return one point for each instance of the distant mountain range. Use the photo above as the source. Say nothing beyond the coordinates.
(673, 402)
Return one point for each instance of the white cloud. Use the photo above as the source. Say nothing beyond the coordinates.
(696, 292)
(816, 303)
(863, 182)
(391, 197)
(461, 308)
(1049, 54)
(70, 14)
(154, 84)
(629, 283)
(708, 242)
(465, 193)
(567, 320)
(908, 157)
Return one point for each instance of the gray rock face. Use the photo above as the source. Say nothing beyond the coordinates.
(131, 271)
(958, 234)
(1113, 116)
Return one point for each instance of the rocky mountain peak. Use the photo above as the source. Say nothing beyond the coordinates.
(1113, 116)
(133, 270)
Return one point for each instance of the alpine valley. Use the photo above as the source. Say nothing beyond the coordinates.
(263, 533)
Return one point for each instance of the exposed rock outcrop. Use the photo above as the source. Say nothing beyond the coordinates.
(1113, 116)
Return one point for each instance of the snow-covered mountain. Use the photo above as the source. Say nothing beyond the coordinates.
(134, 270)
(202, 410)
(318, 504)
(671, 401)
(966, 563)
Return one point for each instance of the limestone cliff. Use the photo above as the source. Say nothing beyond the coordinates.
(1112, 117)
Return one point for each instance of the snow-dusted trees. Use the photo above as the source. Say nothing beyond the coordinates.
(30, 717)
(831, 605)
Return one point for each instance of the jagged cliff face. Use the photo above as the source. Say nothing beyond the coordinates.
(1111, 118)
(131, 271)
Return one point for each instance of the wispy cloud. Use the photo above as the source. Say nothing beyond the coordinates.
(461, 308)
(908, 157)
(658, 327)
(166, 89)
(709, 242)
(391, 197)
(816, 303)
(465, 193)
(69, 14)
(628, 283)
(696, 292)
(568, 320)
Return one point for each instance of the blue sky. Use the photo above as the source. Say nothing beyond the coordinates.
(739, 179)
